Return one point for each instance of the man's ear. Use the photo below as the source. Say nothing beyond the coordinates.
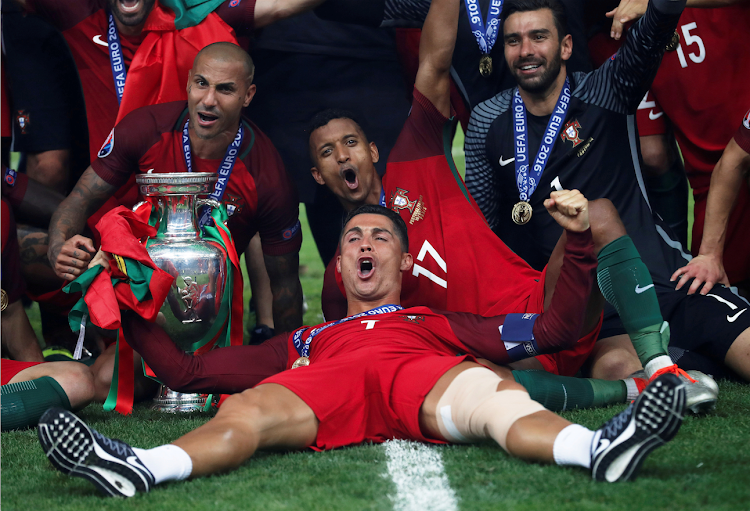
(249, 95)
(374, 153)
(566, 47)
(317, 176)
(406, 261)
(338, 264)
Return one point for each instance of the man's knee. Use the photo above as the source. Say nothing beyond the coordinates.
(478, 404)
(77, 380)
(614, 359)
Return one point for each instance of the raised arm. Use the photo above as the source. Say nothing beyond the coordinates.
(730, 174)
(69, 253)
(630, 10)
(436, 53)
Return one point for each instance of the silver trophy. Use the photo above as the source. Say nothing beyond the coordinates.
(198, 266)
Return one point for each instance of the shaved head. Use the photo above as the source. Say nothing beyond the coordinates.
(228, 52)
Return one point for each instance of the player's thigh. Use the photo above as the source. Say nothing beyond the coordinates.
(278, 417)
(709, 324)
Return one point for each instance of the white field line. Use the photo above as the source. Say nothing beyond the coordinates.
(417, 471)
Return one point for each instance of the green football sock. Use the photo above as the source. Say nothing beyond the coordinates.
(24, 402)
(559, 393)
(626, 284)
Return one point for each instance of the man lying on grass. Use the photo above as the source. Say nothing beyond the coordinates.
(382, 372)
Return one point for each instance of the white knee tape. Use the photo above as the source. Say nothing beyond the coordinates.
(471, 408)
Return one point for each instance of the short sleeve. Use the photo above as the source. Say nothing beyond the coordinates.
(278, 204)
(238, 14)
(125, 145)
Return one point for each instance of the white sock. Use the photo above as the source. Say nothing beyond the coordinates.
(573, 446)
(166, 462)
(633, 392)
(659, 362)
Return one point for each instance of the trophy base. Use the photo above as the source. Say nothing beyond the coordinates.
(169, 401)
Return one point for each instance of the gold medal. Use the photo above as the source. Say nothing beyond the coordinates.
(521, 213)
(485, 65)
(3, 299)
(674, 42)
(301, 362)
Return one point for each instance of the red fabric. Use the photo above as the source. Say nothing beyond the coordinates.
(260, 196)
(125, 377)
(159, 70)
(394, 364)
(10, 368)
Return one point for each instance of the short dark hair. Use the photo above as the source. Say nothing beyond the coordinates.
(557, 8)
(323, 118)
(375, 209)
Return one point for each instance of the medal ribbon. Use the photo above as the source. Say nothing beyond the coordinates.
(116, 59)
(382, 197)
(486, 35)
(526, 180)
(225, 169)
(304, 350)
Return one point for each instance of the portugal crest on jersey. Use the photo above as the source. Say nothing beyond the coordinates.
(234, 203)
(570, 132)
(400, 200)
(23, 119)
(746, 120)
(413, 319)
(108, 145)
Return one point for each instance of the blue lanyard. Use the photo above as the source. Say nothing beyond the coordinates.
(526, 180)
(382, 196)
(116, 59)
(9, 175)
(225, 169)
(486, 35)
(304, 350)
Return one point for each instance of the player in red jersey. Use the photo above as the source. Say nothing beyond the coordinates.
(703, 115)
(730, 179)
(383, 372)
(256, 189)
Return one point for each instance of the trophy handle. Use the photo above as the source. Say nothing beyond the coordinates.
(212, 203)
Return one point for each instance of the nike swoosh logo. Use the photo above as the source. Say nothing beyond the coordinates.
(732, 318)
(98, 40)
(505, 162)
(639, 289)
(133, 460)
(603, 444)
(653, 116)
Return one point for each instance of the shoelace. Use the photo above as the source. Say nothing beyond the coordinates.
(673, 369)
(121, 448)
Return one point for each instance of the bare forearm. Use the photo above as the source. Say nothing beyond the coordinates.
(287, 291)
(436, 53)
(728, 177)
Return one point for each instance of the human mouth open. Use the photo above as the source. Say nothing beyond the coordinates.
(129, 6)
(365, 268)
(206, 119)
(350, 178)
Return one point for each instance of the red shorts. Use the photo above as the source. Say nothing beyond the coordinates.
(737, 243)
(368, 395)
(10, 368)
(564, 363)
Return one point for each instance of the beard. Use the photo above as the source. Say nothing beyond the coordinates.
(543, 82)
(131, 19)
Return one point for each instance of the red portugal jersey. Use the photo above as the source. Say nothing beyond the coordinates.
(459, 263)
(703, 87)
(260, 196)
(158, 71)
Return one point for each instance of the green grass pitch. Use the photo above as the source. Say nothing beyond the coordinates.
(706, 467)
